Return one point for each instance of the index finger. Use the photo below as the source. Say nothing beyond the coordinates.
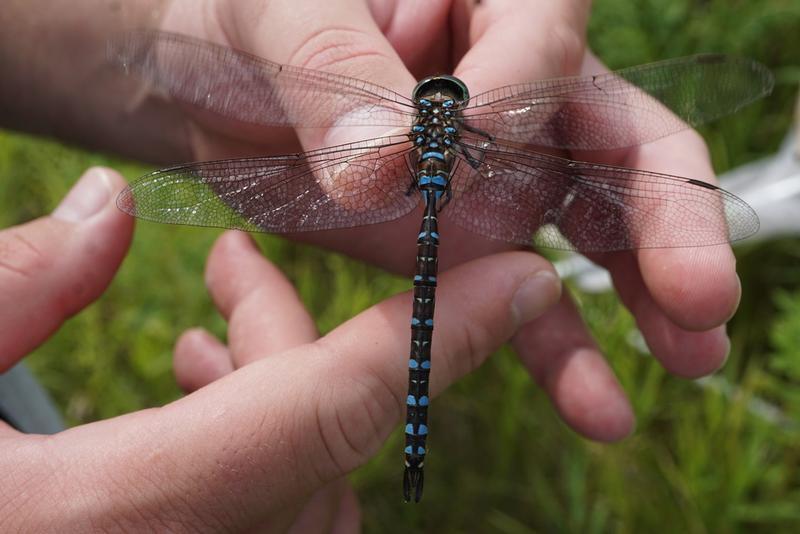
(335, 36)
(515, 41)
(264, 312)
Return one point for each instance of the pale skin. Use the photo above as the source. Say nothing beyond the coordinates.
(285, 469)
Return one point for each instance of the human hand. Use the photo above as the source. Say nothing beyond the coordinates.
(680, 298)
(266, 445)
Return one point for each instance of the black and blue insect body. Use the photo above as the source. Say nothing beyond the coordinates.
(485, 162)
(436, 128)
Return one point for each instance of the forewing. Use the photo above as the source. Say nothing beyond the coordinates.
(620, 109)
(537, 199)
(250, 89)
(337, 187)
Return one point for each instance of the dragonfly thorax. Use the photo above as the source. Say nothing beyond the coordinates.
(439, 100)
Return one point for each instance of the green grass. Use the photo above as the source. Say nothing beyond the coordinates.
(700, 460)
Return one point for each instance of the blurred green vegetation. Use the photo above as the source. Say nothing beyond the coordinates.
(703, 459)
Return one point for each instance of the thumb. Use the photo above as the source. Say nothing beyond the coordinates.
(479, 306)
(516, 41)
(336, 36)
(52, 267)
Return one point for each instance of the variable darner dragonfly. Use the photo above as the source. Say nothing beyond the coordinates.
(482, 159)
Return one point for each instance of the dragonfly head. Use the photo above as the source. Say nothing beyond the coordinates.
(441, 87)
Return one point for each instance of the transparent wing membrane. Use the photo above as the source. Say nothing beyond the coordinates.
(620, 109)
(529, 198)
(337, 187)
(505, 191)
(244, 87)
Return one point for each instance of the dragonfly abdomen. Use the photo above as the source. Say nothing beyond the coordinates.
(419, 363)
(433, 134)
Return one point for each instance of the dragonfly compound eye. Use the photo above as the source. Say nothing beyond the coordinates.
(443, 87)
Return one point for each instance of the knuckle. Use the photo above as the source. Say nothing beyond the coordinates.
(338, 48)
(20, 256)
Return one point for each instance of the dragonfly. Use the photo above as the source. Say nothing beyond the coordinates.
(492, 163)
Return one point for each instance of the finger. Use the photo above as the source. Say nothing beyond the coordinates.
(337, 36)
(461, 14)
(422, 42)
(680, 297)
(681, 352)
(52, 267)
(348, 518)
(472, 321)
(507, 34)
(696, 288)
(200, 359)
(560, 353)
(332, 509)
(264, 312)
(480, 305)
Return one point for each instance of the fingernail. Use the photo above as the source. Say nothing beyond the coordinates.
(86, 197)
(534, 295)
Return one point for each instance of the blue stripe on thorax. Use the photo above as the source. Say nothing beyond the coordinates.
(437, 179)
(432, 154)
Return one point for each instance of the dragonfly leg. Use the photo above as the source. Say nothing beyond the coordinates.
(411, 187)
(477, 131)
(472, 160)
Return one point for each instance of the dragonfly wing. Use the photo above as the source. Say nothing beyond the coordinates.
(531, 198)
(250, 89)
(620, 109)
(337, 187)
